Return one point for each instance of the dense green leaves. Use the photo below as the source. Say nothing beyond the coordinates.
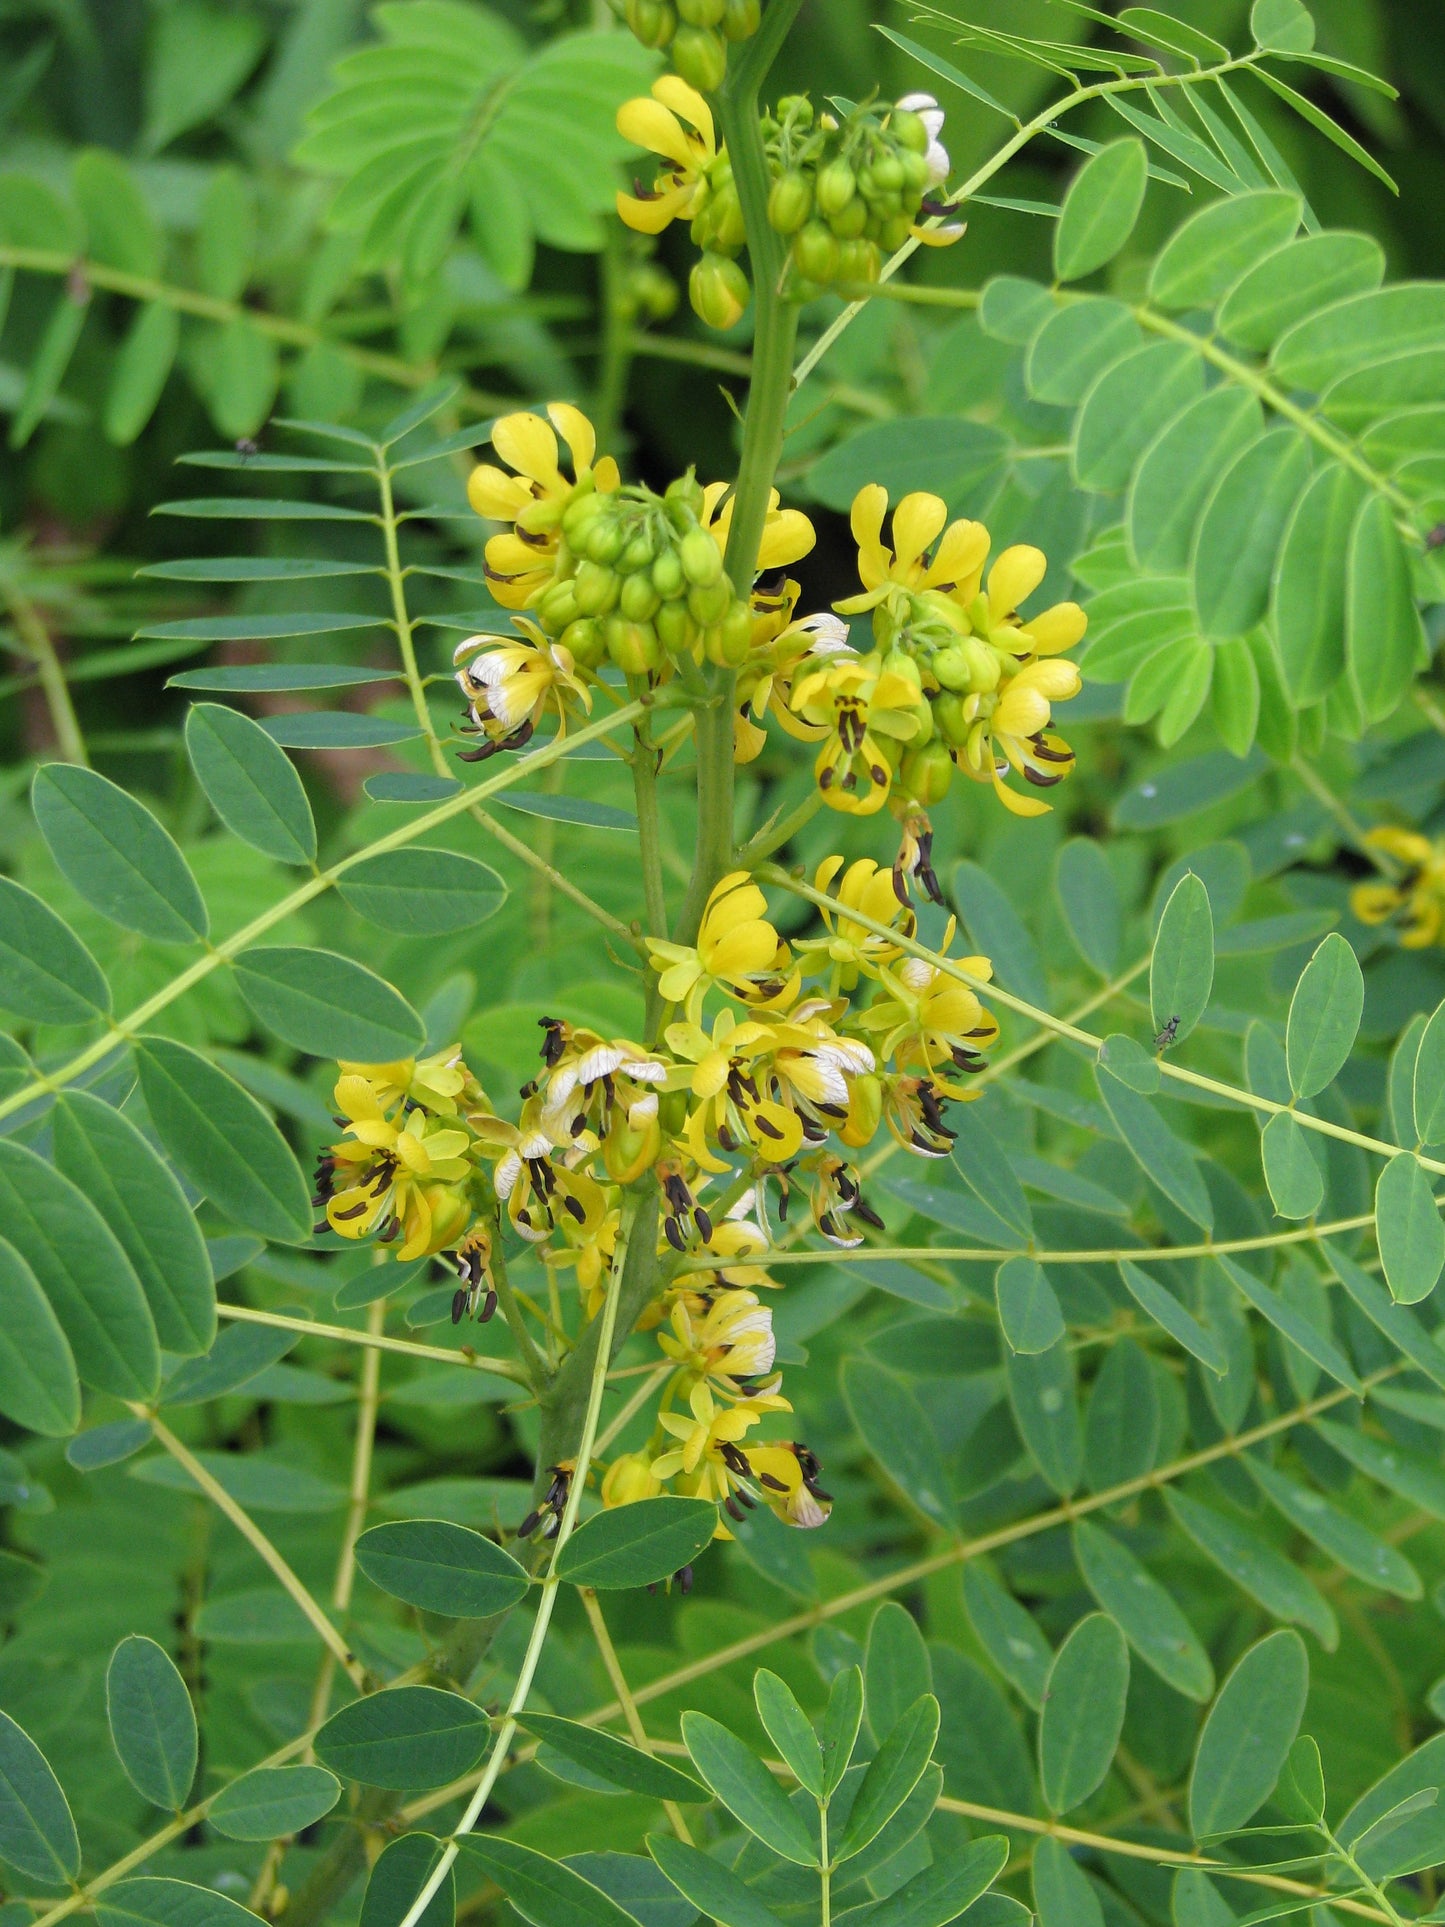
(1291, 1170)
(39, 1388)
(895, 1770)
(1149, 1618)
(544, 1890)
(442, 1568)
(709, 1885)
(1028, 1306)
(747, 1789)
(1324, 1015)
(151, 1722)
(273, 1801)
(423, 892)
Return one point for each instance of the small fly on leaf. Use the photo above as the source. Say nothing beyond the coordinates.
(1168, 1035)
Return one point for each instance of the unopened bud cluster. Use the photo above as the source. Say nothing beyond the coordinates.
(694, 33)
(638, 578)
(848, 192)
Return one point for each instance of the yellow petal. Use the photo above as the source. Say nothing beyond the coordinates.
(1014, 577)
(355, 1097)
(647, 123)
(578, 433)
(961, 554)
(787, 537)
(1375, 902)
(1019, 805)
(607, 476)
(870, 505)
(650, 214)
(917, 522)
(1022, 710)
(687, 102)
(496, 495)
(525, 442)
(1057, 629)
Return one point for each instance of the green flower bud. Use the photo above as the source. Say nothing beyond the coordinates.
(953, 668)
(653, 21)
(741, 19)
(951, 718)
(859, 261)
(887, 171)
(718, 290)
(597, 589)
(849, 222)
(700, 13)
(729, 641)
(926, 773)
(605, 539)
(915, 175)
(674, 627)
(837, 185)
(790, 202)
(585, 641)
(637, 554)
(633, 646)
(908, 130)
(558, 607)
(639, 601)
(700, 55)
(728, 227)
(667, 576)
(701, 558)
(816, 251)
(709, 603)
(684, 495)
(581, 511)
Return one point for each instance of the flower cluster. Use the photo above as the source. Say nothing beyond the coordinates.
(1416, 902)
(776, 1064)
(612, 573)
(847, 192)
(843, 191)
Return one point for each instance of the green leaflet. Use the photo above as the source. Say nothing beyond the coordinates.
(273, 1801)
(637, 1545)
(1151, 1621)
(1255, 1566)
(747, 1789)
(39, 1388)
(1083, 1712)
(411, 1736)
(46, 972)
(1248, 1734)
(113, 851)
(1181, 969)
(1100, 209)
(442, 1568)
(250, 782)
(83, 1272)
(152, 1723)
(328, 1005)
(37, 1833)
(107, 1157)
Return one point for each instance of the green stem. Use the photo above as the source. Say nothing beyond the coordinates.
(539, 1374)
(826, 1872)
(772, 381)
(780, 830)
(567, 1401)
(641, 1219)
(1376, 1892)
(36, 641)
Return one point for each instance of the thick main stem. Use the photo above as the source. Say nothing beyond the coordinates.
(772, 383)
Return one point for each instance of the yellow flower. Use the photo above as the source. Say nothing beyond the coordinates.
(704, 1434)
(730, 1078)
(849, 948)
(1418, 899)
(812, 1065)
(928, 1017)
(510, 685)
(850, 702)
(1010, 731)
(409, 1178)
(436, 1082)
(728, 1339)
(737, 949)
(919, 521)
(520, 564)
(1012, 580)
(533, 1186)
(788, 535)
(787, 1478)
(677, 125)
(782, 650)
